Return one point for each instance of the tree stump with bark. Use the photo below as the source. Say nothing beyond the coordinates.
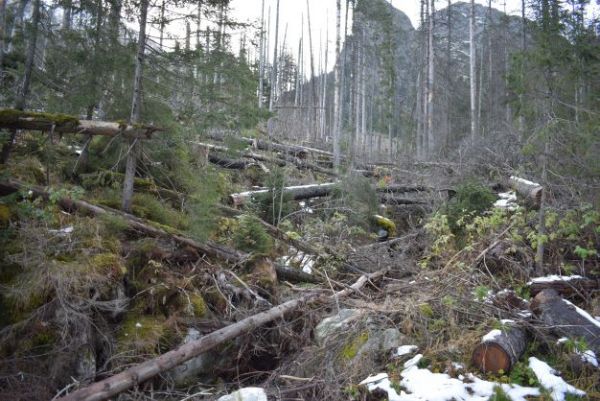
(500, 350)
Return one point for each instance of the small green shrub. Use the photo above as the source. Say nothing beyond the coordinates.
(471, 199)
(251, 236)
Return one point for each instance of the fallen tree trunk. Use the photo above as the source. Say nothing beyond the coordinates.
(500, 350)
(531, 192)
(137, 374)
(395, 200)
(295, 192)
(564, 319)
(62, 124)
(297, 151)
(225, 162)
(567, 286)
(295, 275)
(211, 149)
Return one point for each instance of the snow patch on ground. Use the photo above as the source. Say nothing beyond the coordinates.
(524, 181)
(588, 357)
(508, 200)
(550, 380)
(424, 385)
(246, 394)
(405, 350)
(63, 231)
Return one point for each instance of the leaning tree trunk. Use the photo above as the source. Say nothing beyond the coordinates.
(500, 350)
(23, 92)
(565, 319)
(136, 110)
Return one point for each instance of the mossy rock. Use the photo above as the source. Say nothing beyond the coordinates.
(108, 264)
(350, 350)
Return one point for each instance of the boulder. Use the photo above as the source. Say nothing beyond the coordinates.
(334, 324)
(246, 394)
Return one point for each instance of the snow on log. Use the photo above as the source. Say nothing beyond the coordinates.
(530, 191)
(567, 286)
(62, 124)
(565, 319)
(295, 192)
(500, 350)
(137, 374)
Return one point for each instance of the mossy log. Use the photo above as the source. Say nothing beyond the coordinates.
(565, 286)
(137, 374)
(500, 350)
(564, 319)
(63, 124)
(531, 192)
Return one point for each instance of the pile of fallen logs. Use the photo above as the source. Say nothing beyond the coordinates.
(548, 314)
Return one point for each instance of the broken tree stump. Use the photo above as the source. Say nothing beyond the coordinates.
(564, 319)
(500, 350)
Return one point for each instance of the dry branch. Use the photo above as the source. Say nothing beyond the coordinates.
(137, 374)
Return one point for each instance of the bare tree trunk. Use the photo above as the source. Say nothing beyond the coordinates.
(261, 63)
(336, 96)
(23, 93)
(472, 72)
(199, 26)
(274, 78)
(430, 79)
(67, 15)
(17, 24)
(136, 109)
(323, 105)
(2, 35)
(312, 110)
(449, 75)
(539, 257)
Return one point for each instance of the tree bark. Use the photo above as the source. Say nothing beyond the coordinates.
(136, 109)
(565, 319)
(2, 36)
(430, 79)
(500, 350)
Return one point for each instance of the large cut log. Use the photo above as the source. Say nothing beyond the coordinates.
(567, 286)
(61, 124)
(295, 192)
(564, 319)
(500, 350)
(137, 374)
(531, 192)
